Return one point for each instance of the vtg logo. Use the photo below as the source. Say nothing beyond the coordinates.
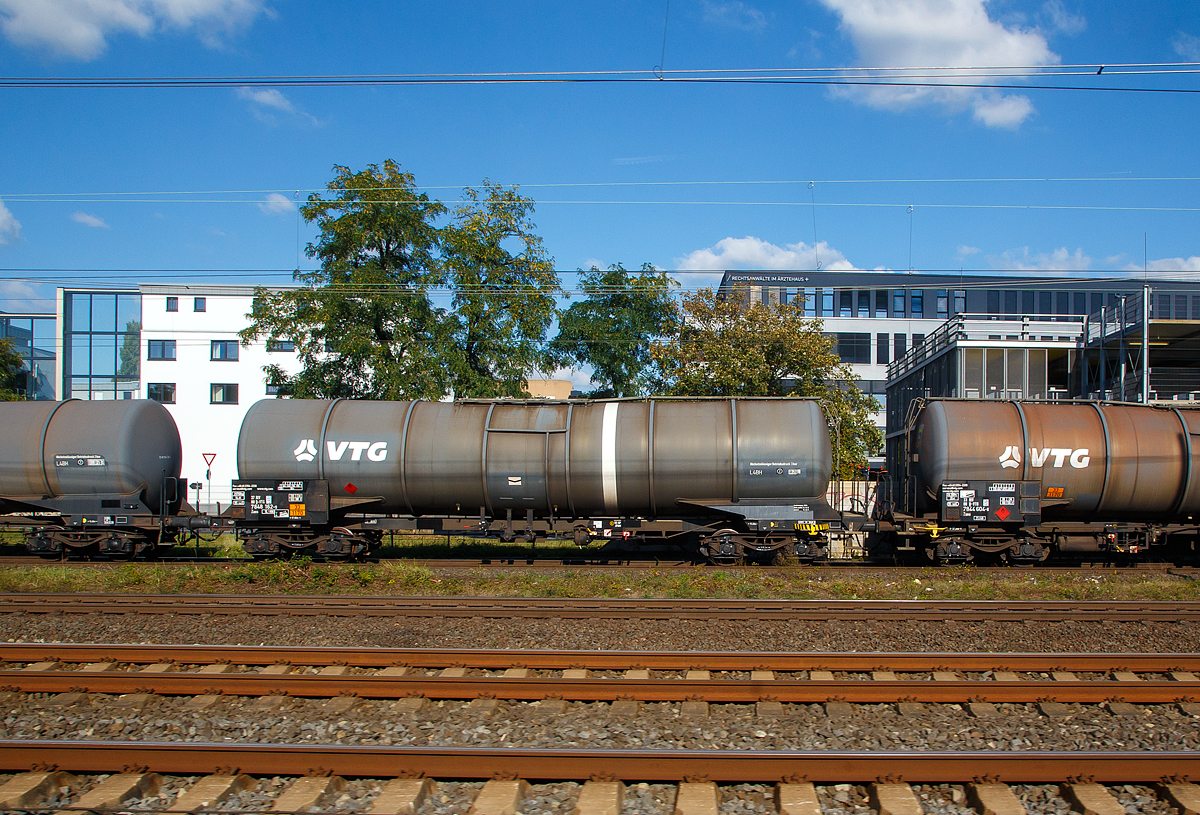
(376, 450)
(1011, 457)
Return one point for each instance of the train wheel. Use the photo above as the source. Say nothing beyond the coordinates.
(723, 548)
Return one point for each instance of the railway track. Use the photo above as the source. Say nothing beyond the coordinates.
(766, 679)
(405, 775)
(635, 564)
(602, 608)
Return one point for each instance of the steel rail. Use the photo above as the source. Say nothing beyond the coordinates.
(372, 761)
(597, 660)
(508, 563)
(605, 608)
(599, 690)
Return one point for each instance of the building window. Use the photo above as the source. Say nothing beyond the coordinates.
(898, 303)
(993, 302)
(960, 301)
(918, 340)
(160, 349)
(1045, 302)
(224, 394)
(280, 345)
(827, 303)
(1010, 305)
(918, 303)
(855, 348)
(881, 297)
(846, 304)
(864, 304)
(172, 304)
(1097, 302)
(1027, 298)
(101, 345)
(200, 304)
(881, 349)
(1163, 312)
(225, 350)
(1081, 302)
(901, 345)
(161, 392)
(278, 390)
(1063, 302)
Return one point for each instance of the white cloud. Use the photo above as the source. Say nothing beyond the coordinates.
(1187, 45)
(276, 204)
(10, 227)
(267, 97)
(639, 160)
(79, 29)
(1061, 20)
(1168, 268)
(17, 295)
(944, 33)
(580, 378)
(89, 220)
(754, 253)
(703, 266)
(264, 100)
(964, 250)
(734, 14)
(1059, 260)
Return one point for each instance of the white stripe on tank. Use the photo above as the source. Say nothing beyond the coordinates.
(608, 458)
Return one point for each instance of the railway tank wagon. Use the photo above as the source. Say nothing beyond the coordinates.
(91, 476)
(742, 477)
(1028, 479)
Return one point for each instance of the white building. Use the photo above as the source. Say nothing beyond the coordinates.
(194, 363)
(190, 359)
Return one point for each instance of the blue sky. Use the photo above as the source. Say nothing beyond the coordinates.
(158, 182)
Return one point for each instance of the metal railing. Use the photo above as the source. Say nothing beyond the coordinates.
(984, 327)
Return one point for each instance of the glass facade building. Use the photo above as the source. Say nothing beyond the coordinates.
(102, 334)
(34, 337)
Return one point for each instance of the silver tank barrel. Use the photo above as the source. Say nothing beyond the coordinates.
(577, 459)
(1094, 461)
(77, 447)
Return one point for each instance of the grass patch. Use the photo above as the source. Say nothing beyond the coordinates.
(400, 578)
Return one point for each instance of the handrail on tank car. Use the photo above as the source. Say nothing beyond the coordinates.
(534, 400)
(1161, 405)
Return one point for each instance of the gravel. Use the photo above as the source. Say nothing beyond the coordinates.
(455, 798)
(604, 634)
(588, 725)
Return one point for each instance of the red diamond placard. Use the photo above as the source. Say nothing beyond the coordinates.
(1002, 513)
(350, 488)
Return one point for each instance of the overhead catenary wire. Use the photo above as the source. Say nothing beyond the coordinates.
(12, 196)
(636, 202)
(822, 75)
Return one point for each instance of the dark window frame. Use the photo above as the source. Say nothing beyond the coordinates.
(280, 346)
(224, 392)
(199, 304)
(163, 347)
(161, 399)
(225, 345)
(172, 304)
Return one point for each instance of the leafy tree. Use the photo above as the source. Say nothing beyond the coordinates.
(613, 329)
(364, 325)
(131, 349)
(503, 303)
(727, 348)
(11, 366)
